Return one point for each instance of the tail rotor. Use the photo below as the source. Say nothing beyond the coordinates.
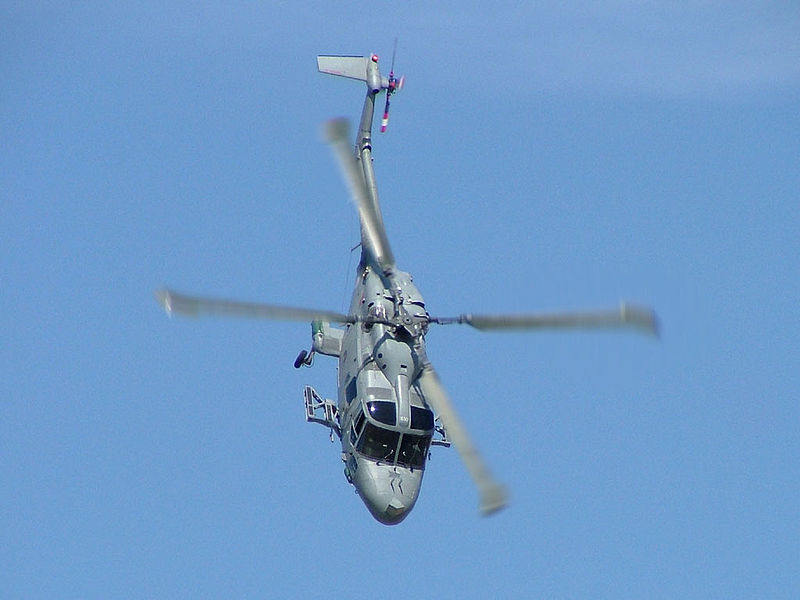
(395, 85)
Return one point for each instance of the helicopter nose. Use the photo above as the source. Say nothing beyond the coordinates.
(394, 512)
(388, 492)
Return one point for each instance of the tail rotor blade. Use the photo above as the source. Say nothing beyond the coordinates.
(493, 495)
(385, 119)
(393, 86)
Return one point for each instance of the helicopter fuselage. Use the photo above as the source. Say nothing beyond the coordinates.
(386, 428)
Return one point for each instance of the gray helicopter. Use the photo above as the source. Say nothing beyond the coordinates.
(391, 404)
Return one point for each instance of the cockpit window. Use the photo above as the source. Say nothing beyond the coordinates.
(421, 418)
(413, 450)
(378, 443)
(383, 411)
(355, 430)
(359, 422)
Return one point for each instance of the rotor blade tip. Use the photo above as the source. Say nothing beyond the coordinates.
(643, 317)
(337, 129)
(164, 298)
(655, 325)
(493, 499)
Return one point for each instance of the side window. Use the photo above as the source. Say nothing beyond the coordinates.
(355, 430)
(359, 423)
(350, 392)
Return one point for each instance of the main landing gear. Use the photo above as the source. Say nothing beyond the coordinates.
(305, 358)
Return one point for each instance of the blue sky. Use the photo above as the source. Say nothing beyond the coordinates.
(539, 157)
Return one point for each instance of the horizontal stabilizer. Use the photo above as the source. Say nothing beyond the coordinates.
(354, 67)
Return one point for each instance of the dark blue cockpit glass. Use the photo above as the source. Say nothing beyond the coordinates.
(421, 418)
(383, 411)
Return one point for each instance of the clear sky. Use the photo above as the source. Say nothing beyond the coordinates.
(539, 157)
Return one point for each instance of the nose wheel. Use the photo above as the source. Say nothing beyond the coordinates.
(305, 358)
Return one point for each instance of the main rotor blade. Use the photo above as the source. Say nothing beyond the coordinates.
(624, 316)
(193, 306)
(337, 134)
(493, 495)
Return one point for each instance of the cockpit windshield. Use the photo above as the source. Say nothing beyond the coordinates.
(382, 411)
(413, 450)
(377, 443)
(382, 445)
(421, 418)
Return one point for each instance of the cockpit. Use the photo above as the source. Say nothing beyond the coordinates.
(384, 445)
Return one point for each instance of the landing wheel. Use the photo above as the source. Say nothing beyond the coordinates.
(301, 359)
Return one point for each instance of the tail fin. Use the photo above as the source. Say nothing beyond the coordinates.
(354, 67)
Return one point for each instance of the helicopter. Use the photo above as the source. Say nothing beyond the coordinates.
(391, 406)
